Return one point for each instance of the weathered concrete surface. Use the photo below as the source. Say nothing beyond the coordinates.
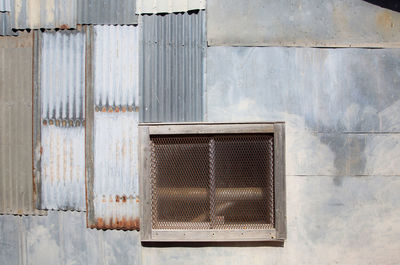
(341, 106)
(315, 23)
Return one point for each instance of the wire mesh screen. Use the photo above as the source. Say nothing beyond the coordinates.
(212, 181)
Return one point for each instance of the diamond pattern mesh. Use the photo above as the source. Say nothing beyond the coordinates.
(212, 181)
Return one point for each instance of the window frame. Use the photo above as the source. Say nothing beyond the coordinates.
(148, 234)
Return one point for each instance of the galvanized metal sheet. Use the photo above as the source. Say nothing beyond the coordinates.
(107, 12)
(113, 192)
(116, 66)
(168, 6)
(5, 6)
(62, 93)
(317, 23)
(172, 67)
(16, 181)
(49, 14)
(5, 25)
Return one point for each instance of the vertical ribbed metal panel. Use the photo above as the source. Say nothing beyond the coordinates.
(5, 6)
(168, 6)
(62, 93)
(114, 192)
(16, 181)
(49, 14)
(5, 25)
(172, 67)
(107, 12)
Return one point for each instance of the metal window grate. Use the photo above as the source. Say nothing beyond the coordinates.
(212, 181)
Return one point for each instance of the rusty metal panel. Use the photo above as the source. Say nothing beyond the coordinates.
(62, 121)
(49, 14)
(168, 6)
(172, 67)
(5, 6)
(113, 188)
(312, 23)
(107, 12)
(16, 180)
(5, 25)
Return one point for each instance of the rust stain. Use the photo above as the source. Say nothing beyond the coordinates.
(44, 122)
(119, 224)
(116, 109)
(64, 123)
(130, 108)
(110, 109)
(124, 199)
(103, 109)
(117, 198)
(51, 122)
(64, 26)
(123, 109)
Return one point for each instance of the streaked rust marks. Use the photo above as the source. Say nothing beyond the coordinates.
(116, 215)
(123, 109)
(103, 109)
(119, 224)
(63, 123)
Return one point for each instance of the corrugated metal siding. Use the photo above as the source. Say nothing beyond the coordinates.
(313, 23)
(172, 67)
(115, 184)
(16, 181)
(168, 6)
(62, 91)
(5, 6)
(5, 25)
(49, 14)
(107, 12)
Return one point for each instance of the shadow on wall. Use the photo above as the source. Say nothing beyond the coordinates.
(213, 244)
(389, 4)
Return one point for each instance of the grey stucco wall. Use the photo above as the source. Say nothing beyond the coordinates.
(342, 114)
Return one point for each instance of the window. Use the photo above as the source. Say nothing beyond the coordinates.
(212, 182)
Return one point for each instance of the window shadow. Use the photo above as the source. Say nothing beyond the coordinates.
(213, 244)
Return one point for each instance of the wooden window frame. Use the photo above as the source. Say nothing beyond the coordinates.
(148, 234)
